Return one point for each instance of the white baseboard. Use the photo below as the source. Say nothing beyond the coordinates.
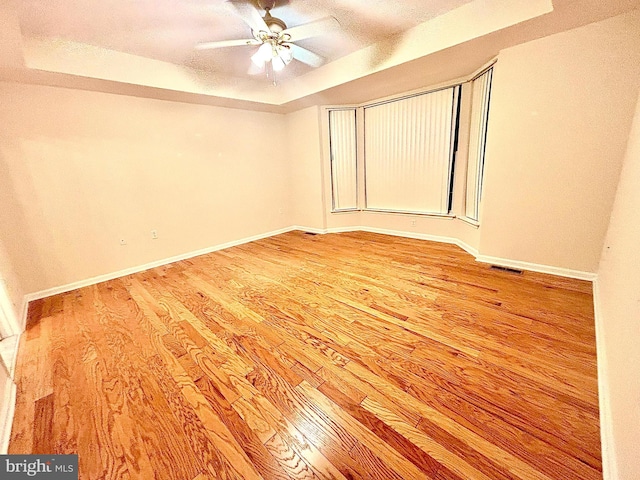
(468, 248)
(319, 231)
(609, 465)
(7, 410)
(536, 267)
(344, 229)
(158, 263)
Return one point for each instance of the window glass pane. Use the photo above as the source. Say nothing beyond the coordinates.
(342, 137)
(481, 92)
(408, 153)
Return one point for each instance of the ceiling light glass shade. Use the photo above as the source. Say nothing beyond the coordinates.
(262, 55)
(279, 55)
(278, 63)
(285, 53)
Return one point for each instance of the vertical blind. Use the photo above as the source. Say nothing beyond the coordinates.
(481, 92)
(342, 139)
(408, 153)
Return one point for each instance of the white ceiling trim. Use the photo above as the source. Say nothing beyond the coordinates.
(80, 59)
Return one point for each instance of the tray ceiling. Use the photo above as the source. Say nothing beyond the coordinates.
(150, 43)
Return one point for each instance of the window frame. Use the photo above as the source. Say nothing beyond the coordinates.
(331, 162)
(480, 162)
(455, 91)
(458, 152)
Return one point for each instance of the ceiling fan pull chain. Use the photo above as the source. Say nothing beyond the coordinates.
(271, 73)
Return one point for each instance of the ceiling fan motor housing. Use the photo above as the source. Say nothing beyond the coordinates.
(275, 24)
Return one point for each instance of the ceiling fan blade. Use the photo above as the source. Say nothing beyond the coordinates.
(227, 43)
(312, 29)
(306, 56)
(250, 15)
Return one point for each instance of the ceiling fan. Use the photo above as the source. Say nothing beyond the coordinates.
(276, 42)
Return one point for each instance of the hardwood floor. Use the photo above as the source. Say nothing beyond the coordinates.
(337, 356)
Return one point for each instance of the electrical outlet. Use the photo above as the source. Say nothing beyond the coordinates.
(123, 241)
(154, 234)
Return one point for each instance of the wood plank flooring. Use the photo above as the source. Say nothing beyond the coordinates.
(341, 356)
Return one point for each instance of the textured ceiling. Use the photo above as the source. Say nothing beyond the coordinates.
(168, 30)
(146, 47)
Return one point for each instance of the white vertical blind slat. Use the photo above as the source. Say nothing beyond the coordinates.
(408, 153)
(342, 136)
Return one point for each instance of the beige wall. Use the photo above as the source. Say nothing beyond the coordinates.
(303, 136)
(79, 170)
(561, 109)
(618, 295)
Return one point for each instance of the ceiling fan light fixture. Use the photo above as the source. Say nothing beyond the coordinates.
(278, 64)
(263, 55)
(277, 42)
(285, 53)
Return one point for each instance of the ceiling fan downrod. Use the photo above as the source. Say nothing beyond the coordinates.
(275, 24)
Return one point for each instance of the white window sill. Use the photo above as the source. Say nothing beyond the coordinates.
(420, 214)
(347, 210)
(470, 221)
